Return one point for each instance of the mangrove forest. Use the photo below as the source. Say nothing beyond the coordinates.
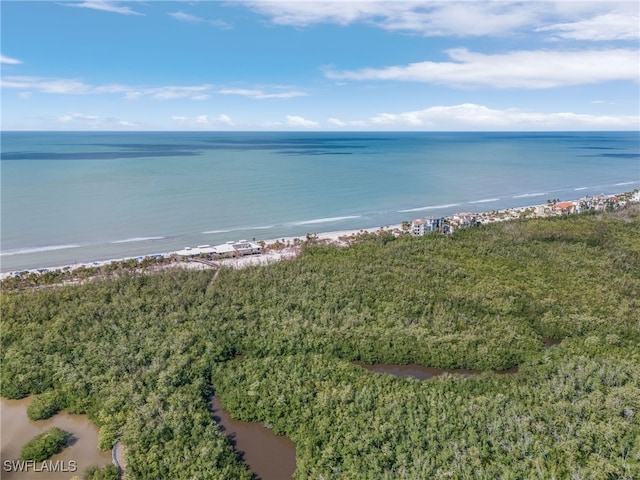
(544, 313)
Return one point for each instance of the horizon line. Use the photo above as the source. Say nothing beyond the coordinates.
(316, 131)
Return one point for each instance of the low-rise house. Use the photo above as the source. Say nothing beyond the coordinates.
(448, 228)
(243, 247)
(564, 208)
(464, 220)
(540, 210)
(421, 226)
(226, 249)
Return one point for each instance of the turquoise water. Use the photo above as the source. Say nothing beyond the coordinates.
(72, 197)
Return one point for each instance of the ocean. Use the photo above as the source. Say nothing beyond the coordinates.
(72, 197)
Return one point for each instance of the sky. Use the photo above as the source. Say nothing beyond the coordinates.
(328, 66)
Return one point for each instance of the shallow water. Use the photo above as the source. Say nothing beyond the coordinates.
(16, 430)
(268, 456)
(76, 197)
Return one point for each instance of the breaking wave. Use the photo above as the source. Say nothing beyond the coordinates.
(24, 251)
(431, 207)
(325, 220)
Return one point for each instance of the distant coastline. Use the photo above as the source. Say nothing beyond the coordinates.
(275, 250)
(70, 198)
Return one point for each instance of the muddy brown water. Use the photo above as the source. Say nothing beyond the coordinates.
(268, 456)
(421, 372)
(550, 342)
(16, 430)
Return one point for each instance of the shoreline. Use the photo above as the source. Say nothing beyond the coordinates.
(289, 247)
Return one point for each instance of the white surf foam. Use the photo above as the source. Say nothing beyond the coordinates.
(525, 195)
(25, 251)
(325, 220)
(431, 207)
(137, 239)
(486, 200)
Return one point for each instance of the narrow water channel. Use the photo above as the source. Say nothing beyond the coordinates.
(16, 430)
(268, 456)
(550, 342)
(421, 372)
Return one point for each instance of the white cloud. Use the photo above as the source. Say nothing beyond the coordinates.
(105, 6)
(222, 118)
(586, 20)
(77, 116)
(296, 121)
(469, 116)
(9, 61)
(79, 120)
(69, 86)
(463, 19)
(58, 85)
(427, 18)
(519, 69)
(220, 24)
(271, 124)
(261, 94)
(170, 92)
(203, 121)
(65, 86)
(349, 124)
(185, 17)
(608, 26)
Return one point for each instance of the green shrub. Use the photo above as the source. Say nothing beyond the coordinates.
(45, 445)
(108, 472)
(46, 405)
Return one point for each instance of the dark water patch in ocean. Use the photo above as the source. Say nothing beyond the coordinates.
(147, 146)
(311, 152)
(297, 148)
(292, 138)
(620, 155)
(595, 147)
(95, 155)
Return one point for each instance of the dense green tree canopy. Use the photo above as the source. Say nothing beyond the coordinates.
(141, 353)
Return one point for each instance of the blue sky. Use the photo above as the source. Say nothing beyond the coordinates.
(330, 65)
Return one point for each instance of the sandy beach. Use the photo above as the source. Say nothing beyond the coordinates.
(277, 249)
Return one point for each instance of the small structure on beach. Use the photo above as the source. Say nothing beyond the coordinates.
(240, 248)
